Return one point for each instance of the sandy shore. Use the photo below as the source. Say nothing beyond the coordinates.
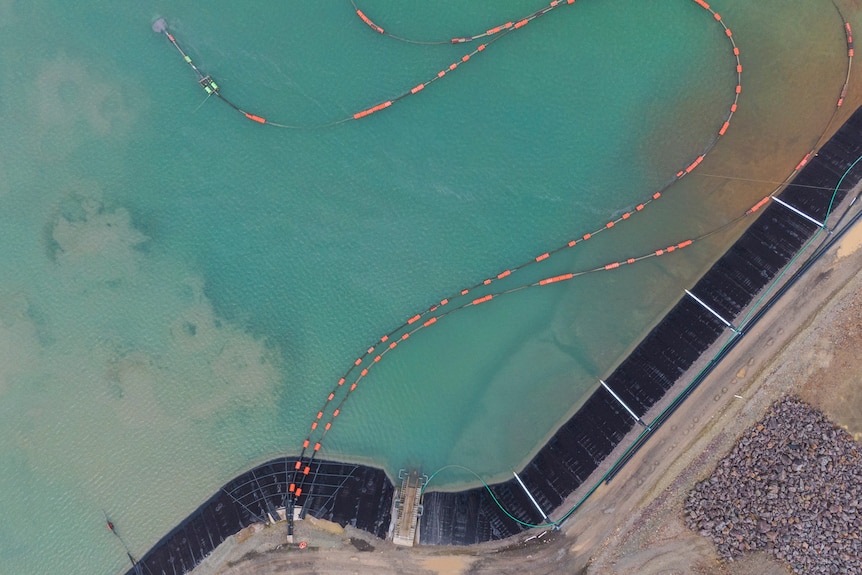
(807, 344)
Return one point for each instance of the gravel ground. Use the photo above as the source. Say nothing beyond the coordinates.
(792, 486)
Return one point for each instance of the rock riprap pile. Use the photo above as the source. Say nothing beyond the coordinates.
(792, 486)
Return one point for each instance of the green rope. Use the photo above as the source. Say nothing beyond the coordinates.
(494, 497)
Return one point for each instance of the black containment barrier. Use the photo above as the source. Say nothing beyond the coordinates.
(344, 493)
(362, 496)
(655, 365)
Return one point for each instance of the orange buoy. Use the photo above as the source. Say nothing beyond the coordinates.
(555, 279)
(758, 205)
(694, 164)
(254, 118)
(368, 21)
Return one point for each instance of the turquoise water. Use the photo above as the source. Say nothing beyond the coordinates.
(180, 288)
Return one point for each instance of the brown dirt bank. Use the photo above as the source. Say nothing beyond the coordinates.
(807, 344)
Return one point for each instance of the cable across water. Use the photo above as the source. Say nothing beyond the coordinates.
(493, 34)
(337, 398)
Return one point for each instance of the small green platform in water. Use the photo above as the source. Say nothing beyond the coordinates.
(209, 85)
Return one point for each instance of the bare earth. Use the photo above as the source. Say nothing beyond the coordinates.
(808, 344)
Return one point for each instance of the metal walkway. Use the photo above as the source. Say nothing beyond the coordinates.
(407, 507)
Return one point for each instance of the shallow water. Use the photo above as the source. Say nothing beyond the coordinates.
(180, 288)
